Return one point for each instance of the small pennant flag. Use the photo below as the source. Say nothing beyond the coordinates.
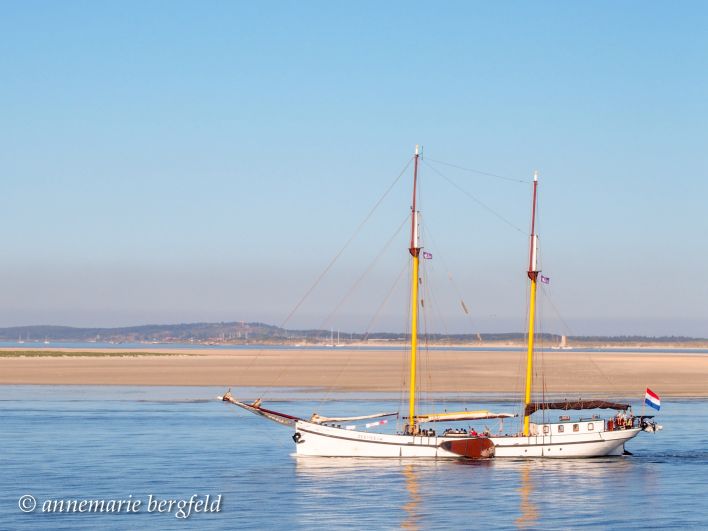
(651, 399)
(427, 255)
(377, 423)
(545, 280)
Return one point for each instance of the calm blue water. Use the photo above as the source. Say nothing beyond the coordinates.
(87, 442)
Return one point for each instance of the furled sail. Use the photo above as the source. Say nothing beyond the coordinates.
(578, 404)
(462, 415)
(256, 409)
(317, 419)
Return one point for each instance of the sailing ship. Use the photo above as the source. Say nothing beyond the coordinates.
(584, 437)
(563, 344)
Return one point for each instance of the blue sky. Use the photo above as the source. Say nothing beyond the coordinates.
(191, 161)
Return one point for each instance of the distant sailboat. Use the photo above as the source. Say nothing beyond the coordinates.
(563, 345)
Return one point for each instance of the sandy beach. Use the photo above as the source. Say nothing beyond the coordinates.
(576, 373)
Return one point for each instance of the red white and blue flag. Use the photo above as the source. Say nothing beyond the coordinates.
(651, 399)
(427, 255)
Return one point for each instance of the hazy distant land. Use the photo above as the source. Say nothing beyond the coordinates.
(242, 333)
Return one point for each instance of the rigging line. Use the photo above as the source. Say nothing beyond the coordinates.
(458, 357)
(432, 308)
(428, 234)
(326, 270)
(612, 382)
(547, 297)
(589, 356)
(510, 179)
(435, 307)
(521, 365)
(475, 199)
(358, 281)
(405, 351)
(422, 361)
(367, 330)
(426, 367)
(402, 397)
(542, 357)
(347, 363)
(344, 247)
(364, 339)
(435, 310)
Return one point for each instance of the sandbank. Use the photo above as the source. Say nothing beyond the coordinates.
(571, 373)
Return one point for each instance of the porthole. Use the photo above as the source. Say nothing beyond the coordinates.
(591, 426)
(576, 427)
(561, 428)
(546, 429)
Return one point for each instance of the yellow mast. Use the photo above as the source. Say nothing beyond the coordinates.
(533, 277)
(414, 342)
(414, 249)
(529, 355)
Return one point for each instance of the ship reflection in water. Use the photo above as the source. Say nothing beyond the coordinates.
(412, 516)
(416, 494)
(527, 507)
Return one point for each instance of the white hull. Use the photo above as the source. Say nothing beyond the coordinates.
(326, 441)
(565, 446)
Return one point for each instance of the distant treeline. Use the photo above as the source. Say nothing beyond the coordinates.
(242, 332)
(637, 339)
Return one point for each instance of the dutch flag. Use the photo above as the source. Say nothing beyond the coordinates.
(651, 399)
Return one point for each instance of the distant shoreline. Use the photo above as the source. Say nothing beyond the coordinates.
(371, 345)
(569, 373)
(242, 334)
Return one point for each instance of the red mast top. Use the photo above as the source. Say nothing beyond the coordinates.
(414, 249)
(533, 271)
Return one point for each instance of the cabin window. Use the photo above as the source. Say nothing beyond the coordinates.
(561, 428)
(546, 429)
(591, 426)
(576, 427)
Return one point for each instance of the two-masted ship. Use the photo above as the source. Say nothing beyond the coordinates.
(567, 438)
